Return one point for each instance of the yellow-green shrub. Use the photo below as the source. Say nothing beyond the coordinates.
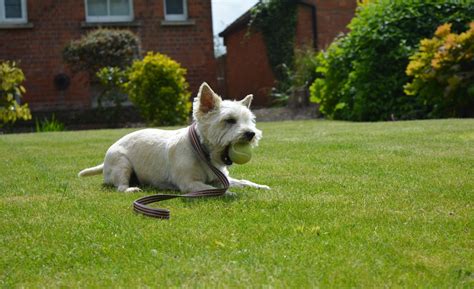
(157, 86)
(11, 89)
(443, 73)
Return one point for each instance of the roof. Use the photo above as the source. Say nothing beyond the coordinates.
(238, 23)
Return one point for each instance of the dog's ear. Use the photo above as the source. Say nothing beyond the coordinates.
(208, 100)
(247, 101)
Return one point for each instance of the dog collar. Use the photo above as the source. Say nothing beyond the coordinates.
(197, 143)
(225, 154)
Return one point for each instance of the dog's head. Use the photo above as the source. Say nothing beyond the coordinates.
(223, 122)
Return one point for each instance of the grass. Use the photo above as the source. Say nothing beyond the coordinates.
(365, 205)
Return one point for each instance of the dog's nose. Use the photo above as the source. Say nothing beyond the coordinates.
(249, 135)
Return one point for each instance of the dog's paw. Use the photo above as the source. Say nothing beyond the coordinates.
(230, 194)
(133, 190)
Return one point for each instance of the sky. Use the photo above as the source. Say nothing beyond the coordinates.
(224, 12)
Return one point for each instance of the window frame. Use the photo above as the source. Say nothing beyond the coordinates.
(109, 18)
(4, 19)
(176, 17)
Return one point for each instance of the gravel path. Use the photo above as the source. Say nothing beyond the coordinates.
(284, 113)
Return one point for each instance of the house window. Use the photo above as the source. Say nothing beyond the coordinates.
(176, 10)
(109, 10)
(13, 11)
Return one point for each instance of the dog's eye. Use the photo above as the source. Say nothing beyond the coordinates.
(231, 121)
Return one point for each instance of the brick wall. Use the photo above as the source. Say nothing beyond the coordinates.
(333, 17)
(247, 69)
(304, 27)
(56, 22)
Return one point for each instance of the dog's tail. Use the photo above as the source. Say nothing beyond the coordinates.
(91, 171)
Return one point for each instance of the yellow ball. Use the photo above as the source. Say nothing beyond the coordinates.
(240, 153)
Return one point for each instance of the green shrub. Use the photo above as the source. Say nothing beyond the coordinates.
(104, 54)
(102, 48)
(11, 90)
(156, 85)
(112, 80)
(304, 68)
(47, 125)
(362, 74)
(443, 73)
(299, 77)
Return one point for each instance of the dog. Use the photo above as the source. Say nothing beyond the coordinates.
(165, 159)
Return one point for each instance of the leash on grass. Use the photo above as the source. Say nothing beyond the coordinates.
(140, 205)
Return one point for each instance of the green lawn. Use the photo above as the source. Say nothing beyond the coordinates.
(365, 205)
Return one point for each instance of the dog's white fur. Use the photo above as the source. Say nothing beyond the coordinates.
(165, 159)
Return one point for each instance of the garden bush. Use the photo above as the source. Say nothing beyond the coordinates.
(102, 48)
(304, 67)
(104, 54)
(157, 86)
(443, 73)
(11, 90)
(112, 80)
(293, 91)
(362, 74)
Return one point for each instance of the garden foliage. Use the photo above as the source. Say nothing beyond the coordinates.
(304, 67)
(112, 80)
(157, 86)
(361, 76)
(443, 73)
(11, 90)
(299, 77)
(49, 125)
(101, 48)
(104, 54)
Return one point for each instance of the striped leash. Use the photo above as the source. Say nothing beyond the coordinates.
(140, 205)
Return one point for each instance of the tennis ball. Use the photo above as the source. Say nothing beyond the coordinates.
(240, 153)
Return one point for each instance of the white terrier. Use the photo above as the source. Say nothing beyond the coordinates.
(165, 159)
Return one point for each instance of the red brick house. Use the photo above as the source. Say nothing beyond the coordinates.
(247, 69)
(34, 32)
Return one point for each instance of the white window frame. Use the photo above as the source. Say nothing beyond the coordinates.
(23, 19)
(109, 18)
(177, 17)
